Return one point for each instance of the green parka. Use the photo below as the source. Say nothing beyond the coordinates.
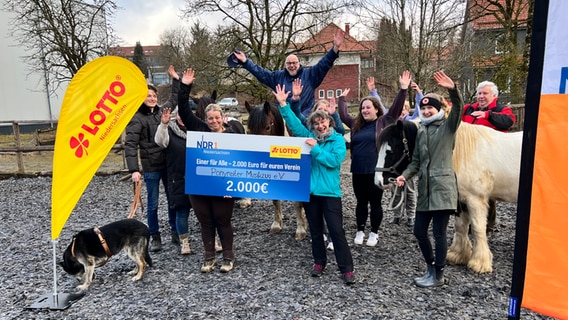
(432, 161)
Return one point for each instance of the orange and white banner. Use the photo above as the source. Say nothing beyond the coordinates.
(98, 104)
(540, 280)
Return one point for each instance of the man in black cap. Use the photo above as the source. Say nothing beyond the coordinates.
(311, 77)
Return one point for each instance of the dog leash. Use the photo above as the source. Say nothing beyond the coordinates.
(137, 187)
(104, 244)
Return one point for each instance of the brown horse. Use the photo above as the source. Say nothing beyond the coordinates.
(267, 120)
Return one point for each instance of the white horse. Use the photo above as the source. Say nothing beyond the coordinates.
(487, 164)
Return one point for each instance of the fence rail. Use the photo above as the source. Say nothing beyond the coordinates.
(20, 149)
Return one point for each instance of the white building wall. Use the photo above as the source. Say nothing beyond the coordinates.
(24, 95)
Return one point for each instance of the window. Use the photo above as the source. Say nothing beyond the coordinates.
(338, 92)
(329, 94)
(499, 44)
(367, 63)
(321, 94)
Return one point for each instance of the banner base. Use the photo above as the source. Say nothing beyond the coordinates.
(60, 301)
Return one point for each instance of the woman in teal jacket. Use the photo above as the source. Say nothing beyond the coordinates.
(328, 152)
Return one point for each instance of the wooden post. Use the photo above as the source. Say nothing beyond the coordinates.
(19, 154)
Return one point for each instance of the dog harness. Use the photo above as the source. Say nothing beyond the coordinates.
(103, 243)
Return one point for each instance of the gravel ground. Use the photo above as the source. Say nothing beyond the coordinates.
(271, 277)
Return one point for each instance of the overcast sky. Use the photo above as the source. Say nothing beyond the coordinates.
(144, 21)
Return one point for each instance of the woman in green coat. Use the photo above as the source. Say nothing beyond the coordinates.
(437, 185)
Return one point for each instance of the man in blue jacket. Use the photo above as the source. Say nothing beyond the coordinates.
(311, 76)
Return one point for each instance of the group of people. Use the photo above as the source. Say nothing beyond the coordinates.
(158, 134)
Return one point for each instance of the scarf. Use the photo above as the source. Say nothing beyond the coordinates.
(436, 117)
(321, 137)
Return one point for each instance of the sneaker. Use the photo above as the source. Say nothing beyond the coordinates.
(410, 222)
(155, 242)
(317, 271)
(227, 265)
(359, 236)
(330, 246)
(208, 265)
(218, 246)
(175, 238)
(348, 277)
(185, 249)
(373, 239)
(324, 237)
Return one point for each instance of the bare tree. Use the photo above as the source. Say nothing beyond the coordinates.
(415, 35)
(60, 36)
(500, 45)
(266, 30)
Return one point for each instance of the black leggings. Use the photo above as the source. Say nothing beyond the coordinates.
(214, 214)
(366, 191)
(440, 221)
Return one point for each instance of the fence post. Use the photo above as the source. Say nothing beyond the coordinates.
(19, 154)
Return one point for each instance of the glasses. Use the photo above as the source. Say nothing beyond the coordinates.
(292, 62)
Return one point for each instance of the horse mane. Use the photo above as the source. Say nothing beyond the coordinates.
(468, 136)
(265, 116)
(202, 103)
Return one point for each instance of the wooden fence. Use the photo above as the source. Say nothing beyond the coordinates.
(45, 140)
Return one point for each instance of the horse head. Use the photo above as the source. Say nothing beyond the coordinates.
(396, 144)
(202, 103)
(265, 120)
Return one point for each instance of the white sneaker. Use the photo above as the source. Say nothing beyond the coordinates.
(359, 236)
(330, 246)
(373, 239)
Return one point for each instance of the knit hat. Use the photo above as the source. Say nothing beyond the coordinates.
(430, 101)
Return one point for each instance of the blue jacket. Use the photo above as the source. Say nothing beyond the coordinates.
(311, 78)
(327, 157)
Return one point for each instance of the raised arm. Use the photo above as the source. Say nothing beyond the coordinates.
(295, 105)
(396, 108)
(173, 99)
(295, 125)
(192, 122)
(374, 93)
(454, 118)
(342, 108)
(162, 138)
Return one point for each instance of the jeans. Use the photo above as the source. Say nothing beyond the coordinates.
(330, 209)
(152, 180)
(182, 214)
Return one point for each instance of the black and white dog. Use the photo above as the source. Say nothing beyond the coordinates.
(92, 248)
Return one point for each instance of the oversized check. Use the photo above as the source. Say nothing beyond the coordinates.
(248, 166)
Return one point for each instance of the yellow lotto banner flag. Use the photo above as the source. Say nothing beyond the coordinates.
(98, 104)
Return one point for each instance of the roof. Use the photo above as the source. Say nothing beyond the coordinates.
(485, 11)
(322, 41)
(129, 51)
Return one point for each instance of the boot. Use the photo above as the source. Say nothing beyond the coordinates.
(429, 273)
(175, 238)
(155, 242)
(185, 249)
(435, 279)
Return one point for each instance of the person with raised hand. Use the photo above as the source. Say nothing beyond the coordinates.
(437, 184)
